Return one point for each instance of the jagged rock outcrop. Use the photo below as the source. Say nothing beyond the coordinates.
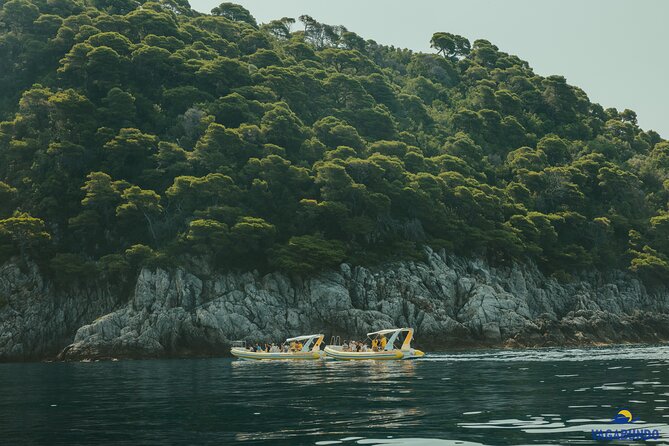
(449, 301)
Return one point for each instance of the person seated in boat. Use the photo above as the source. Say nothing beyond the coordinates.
(384, 342)
(364, 347)
(292, 346)
(299, 346)
(258, 347)
(344, 346)
(375, 344)
(352, 345)
(274, 348)
(285, 348)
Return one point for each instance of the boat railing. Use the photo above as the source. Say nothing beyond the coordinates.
(335, 343)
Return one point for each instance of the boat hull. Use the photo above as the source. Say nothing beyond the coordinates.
(391, 355)
(280, 356)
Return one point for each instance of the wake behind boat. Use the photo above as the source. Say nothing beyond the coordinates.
(383, 347)
(301, 348)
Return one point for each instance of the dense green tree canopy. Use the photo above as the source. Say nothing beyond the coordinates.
(143, 132)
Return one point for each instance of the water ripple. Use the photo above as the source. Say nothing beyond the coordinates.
(507, 397)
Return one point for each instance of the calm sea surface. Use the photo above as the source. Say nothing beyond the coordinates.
(552, 396)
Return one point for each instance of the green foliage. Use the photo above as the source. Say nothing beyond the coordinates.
(450, 45)
(250, 237)
(7, 198)
(207, 236)
(306, 254)
(27, 233)
(140, 133)
(650, 264)
(67, 268)
(234, 12)
(143, 256)
(114, 265)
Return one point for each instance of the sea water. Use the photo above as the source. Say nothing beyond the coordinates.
(496, 397)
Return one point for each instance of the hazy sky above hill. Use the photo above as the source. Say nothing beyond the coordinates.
(615, 50)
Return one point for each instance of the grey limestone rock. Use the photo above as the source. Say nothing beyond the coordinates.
(450, 301)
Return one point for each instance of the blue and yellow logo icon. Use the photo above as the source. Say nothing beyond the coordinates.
(634, 431)
(624, 416)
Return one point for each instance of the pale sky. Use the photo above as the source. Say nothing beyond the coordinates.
(615, 50)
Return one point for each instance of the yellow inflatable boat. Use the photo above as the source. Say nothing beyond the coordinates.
(311, 350)
(385, 340)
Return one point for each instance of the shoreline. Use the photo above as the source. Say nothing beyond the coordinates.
(444, 348)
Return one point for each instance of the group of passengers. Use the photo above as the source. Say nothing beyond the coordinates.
(273, 348)
(378, 344)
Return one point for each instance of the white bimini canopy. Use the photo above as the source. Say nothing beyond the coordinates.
(303, 338)
(388, 331)
(394, 334)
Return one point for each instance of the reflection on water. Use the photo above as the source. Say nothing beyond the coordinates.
(550, 396)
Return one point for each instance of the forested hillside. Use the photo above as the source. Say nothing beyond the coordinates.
(149, 134)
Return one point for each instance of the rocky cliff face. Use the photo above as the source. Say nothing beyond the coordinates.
(449, 301)
(36, 320)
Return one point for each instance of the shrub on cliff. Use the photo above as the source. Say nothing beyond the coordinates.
(306, 254)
